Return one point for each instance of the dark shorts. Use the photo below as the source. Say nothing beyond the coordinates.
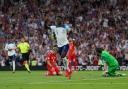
(63, 50)
(25, 56)
(13, 57)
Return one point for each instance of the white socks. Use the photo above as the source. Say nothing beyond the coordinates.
(13, 65)
(65, 62)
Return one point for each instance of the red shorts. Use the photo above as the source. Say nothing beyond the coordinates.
(72, 58)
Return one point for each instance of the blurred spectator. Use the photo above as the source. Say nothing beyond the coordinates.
(94, 23)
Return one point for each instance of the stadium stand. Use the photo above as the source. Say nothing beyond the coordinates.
(95, 23)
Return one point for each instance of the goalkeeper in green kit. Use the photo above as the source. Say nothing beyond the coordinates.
(111, 64)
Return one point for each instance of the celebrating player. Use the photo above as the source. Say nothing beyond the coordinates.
(10, 47)
(110, 63)
(60, 32)
(24, 48)
(52, 67)
(72, 54)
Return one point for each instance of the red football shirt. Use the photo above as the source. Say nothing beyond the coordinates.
(72, 50)
(51, 56)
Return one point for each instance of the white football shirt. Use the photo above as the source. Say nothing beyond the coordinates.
(61, 35)
(10, 48)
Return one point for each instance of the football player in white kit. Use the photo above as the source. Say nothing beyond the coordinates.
(10, 47)
(60, 30)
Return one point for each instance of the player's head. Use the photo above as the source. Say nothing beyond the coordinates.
(72, 40)
(11, 39)
(99, 50)
(58, 20)
(23, 39)
(54, 48)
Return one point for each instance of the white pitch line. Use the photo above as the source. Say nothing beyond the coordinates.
(68, 82)
(105, 78)
(61, 83)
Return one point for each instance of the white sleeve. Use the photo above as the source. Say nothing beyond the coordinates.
(6, 47)
(14, 45)
(67, 27)
(53, 28)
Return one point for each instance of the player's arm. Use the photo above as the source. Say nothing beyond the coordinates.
(18, 48)
(14, 47)
(6, 53)
(67, 27)
(105, 64)
(48, 63)
(6, 47)
(53, 28)
(105, 67)
(53, 35)
(28, 46)
(6, 50)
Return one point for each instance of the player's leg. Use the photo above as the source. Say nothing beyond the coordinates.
(13, 63)
(65, 60)
(13, 66)
(64, 56)
(26, 64)
(70, 65)
(57, 70)
(63, 53)
(75, 62)
(112, 71)
(49, 71)
(25, 57)
(75, 65)
(70, 61)
(10, 61)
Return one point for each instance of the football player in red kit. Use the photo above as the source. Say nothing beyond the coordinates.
(72, 54)
(52, 67)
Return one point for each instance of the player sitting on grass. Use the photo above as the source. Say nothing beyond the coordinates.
(110, 63)
(52, 67)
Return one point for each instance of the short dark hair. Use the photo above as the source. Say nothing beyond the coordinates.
(99, 50)
(59, 17)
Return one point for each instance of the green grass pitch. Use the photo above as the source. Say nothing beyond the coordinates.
(80, 80)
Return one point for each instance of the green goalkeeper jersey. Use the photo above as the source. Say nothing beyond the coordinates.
(109, 59)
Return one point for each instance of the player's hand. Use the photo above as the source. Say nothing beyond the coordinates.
(6, 57)
(10, 49)
(54, 73)
(60, 73)
(53, 69)
(105, 72)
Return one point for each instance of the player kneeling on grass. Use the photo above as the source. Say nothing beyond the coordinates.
(52, 67)
(110, 63)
